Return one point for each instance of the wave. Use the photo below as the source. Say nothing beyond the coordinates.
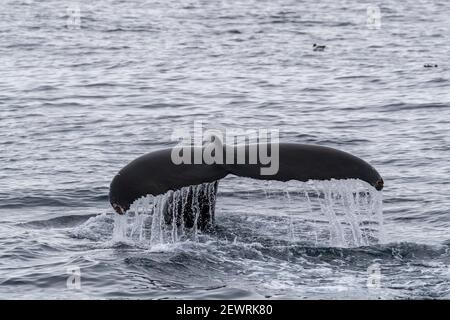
(67, 221)
(413, 106)
(61, 198)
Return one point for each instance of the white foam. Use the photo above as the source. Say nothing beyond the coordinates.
(349, 211)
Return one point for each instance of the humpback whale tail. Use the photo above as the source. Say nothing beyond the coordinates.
(156, 173)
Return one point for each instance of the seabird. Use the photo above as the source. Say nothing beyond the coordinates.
(318, 48)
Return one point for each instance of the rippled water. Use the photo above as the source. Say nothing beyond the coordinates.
(76, 104)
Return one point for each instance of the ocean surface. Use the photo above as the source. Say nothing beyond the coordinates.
(88, 86)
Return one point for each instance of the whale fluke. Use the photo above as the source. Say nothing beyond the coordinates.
(155, 173)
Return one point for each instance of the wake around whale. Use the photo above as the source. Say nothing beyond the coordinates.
(159, 172)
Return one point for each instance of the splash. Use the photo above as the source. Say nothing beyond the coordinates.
(168, 218)
(339, 213)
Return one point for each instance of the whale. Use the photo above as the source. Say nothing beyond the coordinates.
(156, 173)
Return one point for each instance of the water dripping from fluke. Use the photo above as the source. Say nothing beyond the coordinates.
(337, 213)
(172, 217)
